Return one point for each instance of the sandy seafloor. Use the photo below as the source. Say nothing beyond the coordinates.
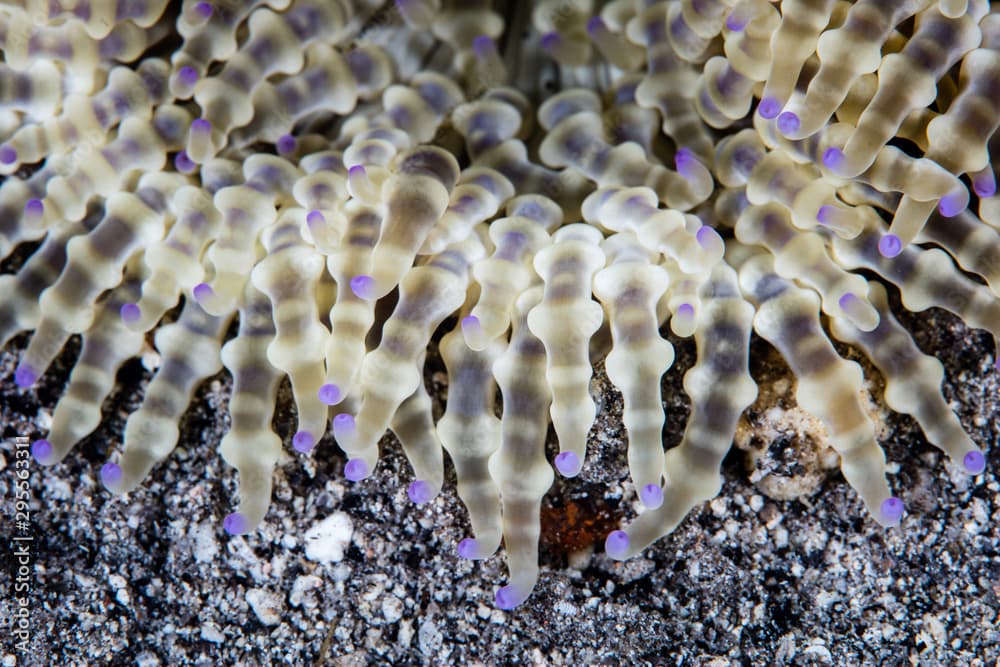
(747, 579)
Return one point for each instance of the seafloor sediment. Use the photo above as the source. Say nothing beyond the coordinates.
(745, 580)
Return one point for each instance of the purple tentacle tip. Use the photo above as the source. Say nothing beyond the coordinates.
(974, 462)
(825, 213)
(236, 524)
(303, 441)
(357, 170)
(205, 9)
(507, 598)
(25, 376)
(984, 185)
(286, 144)
(616, 544)
(891, 510)
(595, 25)
(651, 496)
(315, 218)
(130, 313)
(202, 292)
(602, 198)
(187, 76)
(550, 40)
(7, 155)
(41, 450)
(788, 123)
(685, 310)
(685, 162)
(705, 235)
(833, 158)
(568, 464)
(343, 424)
(355, 470)
(952, 204)
(34, 207)
(183, 163)
(363, 287)
(890, 245)
(420, 491)
(200, 125)
(111, 474)
(330, 394)
(471, 325)
(467, 548)
(846, 300)
(768, 107)
(735, 22)
(483, 46)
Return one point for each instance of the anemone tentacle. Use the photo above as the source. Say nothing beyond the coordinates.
(362, 184)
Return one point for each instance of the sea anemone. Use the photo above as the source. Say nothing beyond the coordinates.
(321, 189)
